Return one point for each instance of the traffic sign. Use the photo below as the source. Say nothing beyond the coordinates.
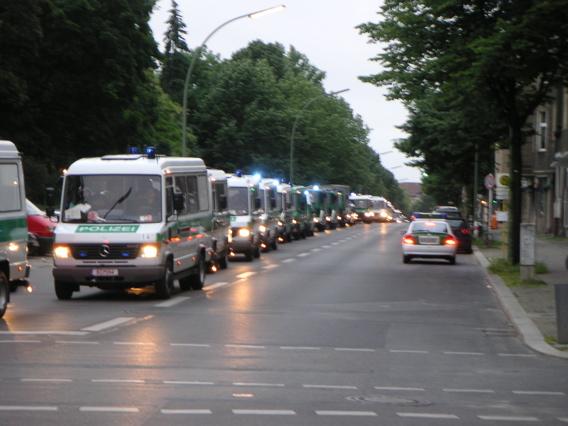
(489, 181)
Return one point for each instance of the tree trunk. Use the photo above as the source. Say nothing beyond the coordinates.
(515, 207)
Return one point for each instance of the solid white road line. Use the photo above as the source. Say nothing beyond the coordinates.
(246, 274)
(134, 343)
(171, 302)
(75, 342)
(469, 390)
(428, 415)
(32, 380)
(354, 350)
(345, 413)
(540, 393)
(28, 408)
(187, 382)
(191, 345)
(110, 409)
(45, 332)
(245, 346)
(329, 387)
(509, 418)
(288, 260)
(404, 351)
(464, 353)
(397, 388)
(274, 385)
(266, 412)
(189, 411)
(518, 355)
(118, 381)
(215, 285)
(20, 341)
(108, 324)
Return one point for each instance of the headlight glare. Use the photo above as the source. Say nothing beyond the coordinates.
(149, 251)
(244, 232)
(62, 252)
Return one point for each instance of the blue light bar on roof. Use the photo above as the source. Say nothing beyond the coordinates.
(150, 152)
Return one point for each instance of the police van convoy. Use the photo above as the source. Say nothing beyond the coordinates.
(14, 267)
(142, 219)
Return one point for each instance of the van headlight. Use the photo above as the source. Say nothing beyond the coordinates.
(61, 252)
(316, 220)
(294, 221)
(244, 232)
(149, 251)
(262, 228)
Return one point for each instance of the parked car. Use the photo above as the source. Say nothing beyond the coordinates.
(40, 230)
(427, 238)
(462, 231)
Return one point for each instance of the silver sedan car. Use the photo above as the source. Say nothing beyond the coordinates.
(428, 238)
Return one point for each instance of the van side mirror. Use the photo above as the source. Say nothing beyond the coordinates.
(49, 201)
(179, 202)
(222, 202)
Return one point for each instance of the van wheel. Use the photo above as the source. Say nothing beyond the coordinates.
(197, 280)
(165, 286)
(406, 259)
(452, 260)
(63, 291)
(4, 293)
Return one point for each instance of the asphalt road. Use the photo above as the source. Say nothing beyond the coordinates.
(332, 330)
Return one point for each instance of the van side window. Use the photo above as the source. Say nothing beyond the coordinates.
(219, 192)
(169, 197)
(9, 188)
(203, 193)
(191, 196)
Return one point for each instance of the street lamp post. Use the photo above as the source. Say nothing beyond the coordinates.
(197, 53)
(304, 107)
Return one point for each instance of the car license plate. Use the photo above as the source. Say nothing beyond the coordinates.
(105, 272)
(428, 240)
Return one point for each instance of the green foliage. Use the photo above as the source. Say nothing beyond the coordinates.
(511, 274)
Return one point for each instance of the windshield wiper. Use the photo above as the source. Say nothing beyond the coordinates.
(120, 200)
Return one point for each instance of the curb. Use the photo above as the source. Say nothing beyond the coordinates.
(529, 332)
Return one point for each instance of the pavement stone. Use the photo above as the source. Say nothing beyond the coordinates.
(533, 309)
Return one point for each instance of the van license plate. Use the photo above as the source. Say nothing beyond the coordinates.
(105, 272)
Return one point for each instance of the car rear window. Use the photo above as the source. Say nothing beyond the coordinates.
(456, 223)
(429, 226)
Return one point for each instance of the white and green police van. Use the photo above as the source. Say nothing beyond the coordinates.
(14, 267)
(221, 225)
(131, 221)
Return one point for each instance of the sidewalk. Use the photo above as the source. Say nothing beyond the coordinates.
(533, 309)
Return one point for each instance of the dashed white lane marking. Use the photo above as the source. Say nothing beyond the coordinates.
(28, 408)
(469, 390)
(215, 285)
(464, 353)
(266, 412)
(134, 343)
(326, 246)
(345, 413)
(245, 275)
(189, 411)
(252, 384)
(397, 388)
(271, 266)
(428, 415)
(354, 350)
(187, 382)
(33, 380)
(44, 332)
(118, 381)
(539, 393)
(232, 346)
(329, 387)
(20, 341)
(335, 243)
(509, 418)
(191, 345)
(518, 355)
(407, 351)
(171, 302)
(76, 342)
(108, 324)
(300, 348)
(303, 255)
(288, 260)
(315, 250)
(563, 419)
(110, 409)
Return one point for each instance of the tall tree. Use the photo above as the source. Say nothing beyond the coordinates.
(511, 52)
(174, 38)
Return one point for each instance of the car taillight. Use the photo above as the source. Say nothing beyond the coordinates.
(408, 239)
(450, 241)
(465, 231)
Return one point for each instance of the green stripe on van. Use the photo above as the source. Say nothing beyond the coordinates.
(107, 229)
(13, 229)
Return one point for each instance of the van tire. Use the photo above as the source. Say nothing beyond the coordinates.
(164, 287)
(63, 291)
(4, 294)
(406, 259)
(197, 281)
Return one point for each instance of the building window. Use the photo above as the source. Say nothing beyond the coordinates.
(542, 133)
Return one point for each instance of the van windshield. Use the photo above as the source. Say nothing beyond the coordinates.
(238, 201)
(112, 199)
(362, 204)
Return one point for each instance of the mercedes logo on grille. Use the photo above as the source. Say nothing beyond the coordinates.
(104, 251)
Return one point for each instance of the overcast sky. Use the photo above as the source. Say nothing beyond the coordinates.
(324, 30)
